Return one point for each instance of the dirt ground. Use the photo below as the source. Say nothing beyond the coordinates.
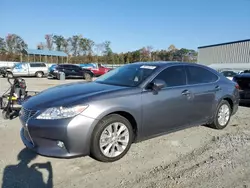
(195, 157)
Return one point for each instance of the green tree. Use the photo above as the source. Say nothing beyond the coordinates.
(74, 42)
(58, 40)
(2, 45)
(65, 45)
(121, 58)
(15, 44)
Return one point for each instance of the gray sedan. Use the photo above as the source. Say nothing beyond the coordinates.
(126, 105)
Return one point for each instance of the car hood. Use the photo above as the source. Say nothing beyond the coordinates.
(68, 94)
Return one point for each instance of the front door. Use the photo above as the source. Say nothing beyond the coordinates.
(169, 108)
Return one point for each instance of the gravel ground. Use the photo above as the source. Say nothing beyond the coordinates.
(195, 157)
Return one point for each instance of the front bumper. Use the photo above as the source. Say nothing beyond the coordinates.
(52, 75)
(45, 136)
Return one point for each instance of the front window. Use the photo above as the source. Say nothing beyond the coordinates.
(128, 75)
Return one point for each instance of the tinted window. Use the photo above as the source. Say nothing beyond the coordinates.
(173, 76)
(37, 65)
(75, 67)
(198, 75)
(64, 66)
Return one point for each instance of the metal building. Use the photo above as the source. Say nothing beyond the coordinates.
(231, 52)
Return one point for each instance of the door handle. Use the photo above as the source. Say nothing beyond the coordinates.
(185, 92)
(217, 88)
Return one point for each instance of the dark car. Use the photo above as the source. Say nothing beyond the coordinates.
(243, 80)
(129, 104)
(70, 71)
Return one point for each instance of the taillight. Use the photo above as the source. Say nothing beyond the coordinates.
(237, 86)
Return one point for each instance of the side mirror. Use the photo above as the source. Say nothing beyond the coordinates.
(157, 85)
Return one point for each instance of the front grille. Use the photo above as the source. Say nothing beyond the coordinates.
(27, 114)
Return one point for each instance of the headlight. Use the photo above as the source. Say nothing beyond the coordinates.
(62, 112)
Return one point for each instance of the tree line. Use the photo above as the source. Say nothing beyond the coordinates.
(84, 50)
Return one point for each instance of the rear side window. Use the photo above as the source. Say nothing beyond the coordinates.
(75, 67)
(199, 75)
(173, 76)
(37, 65)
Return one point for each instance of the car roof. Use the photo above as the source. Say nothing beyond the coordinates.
(168, 63)
(67, 64)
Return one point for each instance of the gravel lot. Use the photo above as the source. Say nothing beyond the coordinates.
(195, 157)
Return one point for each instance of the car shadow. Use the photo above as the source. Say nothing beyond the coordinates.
(245, 105)
(22, 175)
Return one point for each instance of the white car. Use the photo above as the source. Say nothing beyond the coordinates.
(229, 74)
(38, 69)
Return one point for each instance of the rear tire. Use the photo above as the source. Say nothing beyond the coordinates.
(87, 77)
(39, 74)
(118, 141)
(222, 115)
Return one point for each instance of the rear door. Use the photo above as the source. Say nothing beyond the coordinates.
(35, 67)
(204, 86)
(77, 71)
(102, 70)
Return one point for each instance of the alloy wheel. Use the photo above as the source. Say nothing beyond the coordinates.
(223, 115)
(114, 140)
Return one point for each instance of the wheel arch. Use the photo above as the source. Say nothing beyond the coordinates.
(39, 72)
(124, 113)
(229, 99)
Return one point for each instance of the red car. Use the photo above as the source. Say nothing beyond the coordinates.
(96, 68)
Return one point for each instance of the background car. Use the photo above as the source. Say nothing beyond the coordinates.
(38, 69)
(243, 80)
(71, 71)
(129, 104)
(229, 74)
(97, 68)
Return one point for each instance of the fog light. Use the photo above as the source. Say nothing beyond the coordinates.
(60, 144)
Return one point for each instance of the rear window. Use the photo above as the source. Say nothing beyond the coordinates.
(198, 75)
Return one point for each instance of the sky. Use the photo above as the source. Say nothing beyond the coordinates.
(129, 24)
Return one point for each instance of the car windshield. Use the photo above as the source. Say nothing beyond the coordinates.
(127, 75)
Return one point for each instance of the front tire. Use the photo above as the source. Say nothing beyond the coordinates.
(9, 75)
(111, 138)
(222, 115)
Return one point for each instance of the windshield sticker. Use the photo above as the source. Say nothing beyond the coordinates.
(148, 67)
